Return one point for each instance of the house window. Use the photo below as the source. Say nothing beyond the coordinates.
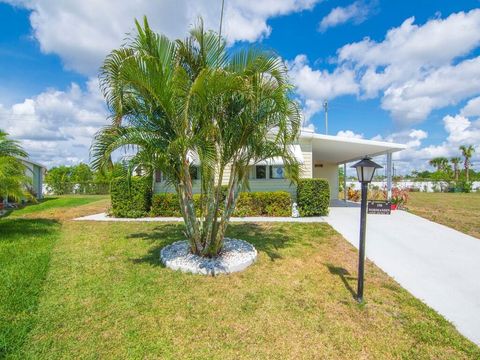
(260, 172)
(158, 176)
(194, 172)
(277, 172)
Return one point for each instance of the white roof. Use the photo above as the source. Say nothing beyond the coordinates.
(33, 163)
(336, 149)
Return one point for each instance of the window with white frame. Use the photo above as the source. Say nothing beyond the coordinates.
(260, 172)
(277, 172)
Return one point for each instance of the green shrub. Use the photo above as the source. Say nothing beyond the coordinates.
(268, 203)
(130, 198)
(313, 197)
(165, 204)
(464, 186)
(276, 203)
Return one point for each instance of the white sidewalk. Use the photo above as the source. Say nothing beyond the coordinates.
(437, 264)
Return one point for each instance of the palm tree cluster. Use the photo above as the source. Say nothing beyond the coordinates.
(442, 164)
(190, 102)
(13, 181)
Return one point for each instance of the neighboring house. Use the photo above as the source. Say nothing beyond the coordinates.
(36, 172)
(319, 156)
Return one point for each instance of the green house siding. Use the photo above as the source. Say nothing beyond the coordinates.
(37, 180)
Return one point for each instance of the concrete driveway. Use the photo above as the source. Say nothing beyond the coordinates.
(437, 264)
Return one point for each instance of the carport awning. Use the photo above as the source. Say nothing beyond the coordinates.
(335, 149)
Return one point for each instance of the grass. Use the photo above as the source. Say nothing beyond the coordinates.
(25, 251)
(104, 294)
(52, 204)
(456, 210)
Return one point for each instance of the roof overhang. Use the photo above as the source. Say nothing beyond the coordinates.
(33, 163)
(339, 150)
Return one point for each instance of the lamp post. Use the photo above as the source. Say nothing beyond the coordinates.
(365, 171)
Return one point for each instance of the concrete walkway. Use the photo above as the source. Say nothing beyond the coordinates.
(437, 264)
(104, 217)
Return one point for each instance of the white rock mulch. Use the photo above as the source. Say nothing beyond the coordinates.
(235, 256)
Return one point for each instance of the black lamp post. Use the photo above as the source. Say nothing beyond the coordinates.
(365, 171)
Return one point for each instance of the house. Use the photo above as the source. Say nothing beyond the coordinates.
(36, 172)
(319, 157)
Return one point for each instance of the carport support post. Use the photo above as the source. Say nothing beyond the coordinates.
(361, 248)
(345, 182)
(389, 175)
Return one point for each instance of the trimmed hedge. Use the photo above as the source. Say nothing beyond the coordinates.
(313, 197)
(131, 198)
(268, 203)
(275, 203)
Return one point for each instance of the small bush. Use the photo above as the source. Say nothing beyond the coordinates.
(276, 203)
(464, 186)
(130, 198)
(313, 197)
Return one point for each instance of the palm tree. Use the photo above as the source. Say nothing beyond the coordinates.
(467, 152)
(9, 147)
(440, 163)
(455, 161)
(190, 103)
(13, 181)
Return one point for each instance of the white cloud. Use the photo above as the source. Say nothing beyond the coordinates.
(349, 134)
(83, 32)
(57, 127)
(460, 130)
(356, 12)
(472, 108)
(315, 86)
(415, 69)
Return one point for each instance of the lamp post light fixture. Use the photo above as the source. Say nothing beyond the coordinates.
(365, 171)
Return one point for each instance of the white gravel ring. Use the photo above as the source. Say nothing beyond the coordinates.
(235, 256)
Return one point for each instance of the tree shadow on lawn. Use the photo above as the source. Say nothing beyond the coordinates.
(266, 239)
(19, 228)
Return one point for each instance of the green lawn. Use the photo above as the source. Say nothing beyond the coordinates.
(456, 210)
(58, 202)
(99, 291)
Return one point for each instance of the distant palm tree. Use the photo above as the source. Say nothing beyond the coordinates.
(13, 181)
(467, 152)
(455, 161)
(191, 103)
(440, 163)
(9, 147)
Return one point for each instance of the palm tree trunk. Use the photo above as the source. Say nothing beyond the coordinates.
(187, 206)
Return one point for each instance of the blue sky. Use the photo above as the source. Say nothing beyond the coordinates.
(385, 77)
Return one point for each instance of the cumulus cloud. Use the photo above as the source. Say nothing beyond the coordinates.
(460, 130)
(414, 70)
(356, 12)
(349, 134)
(57, 127)
(83, 32)
(315, 86)
(472, 108)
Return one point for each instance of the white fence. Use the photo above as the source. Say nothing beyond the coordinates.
(424, 186)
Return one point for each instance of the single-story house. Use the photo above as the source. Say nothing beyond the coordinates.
(36, 172)
(319, 155)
